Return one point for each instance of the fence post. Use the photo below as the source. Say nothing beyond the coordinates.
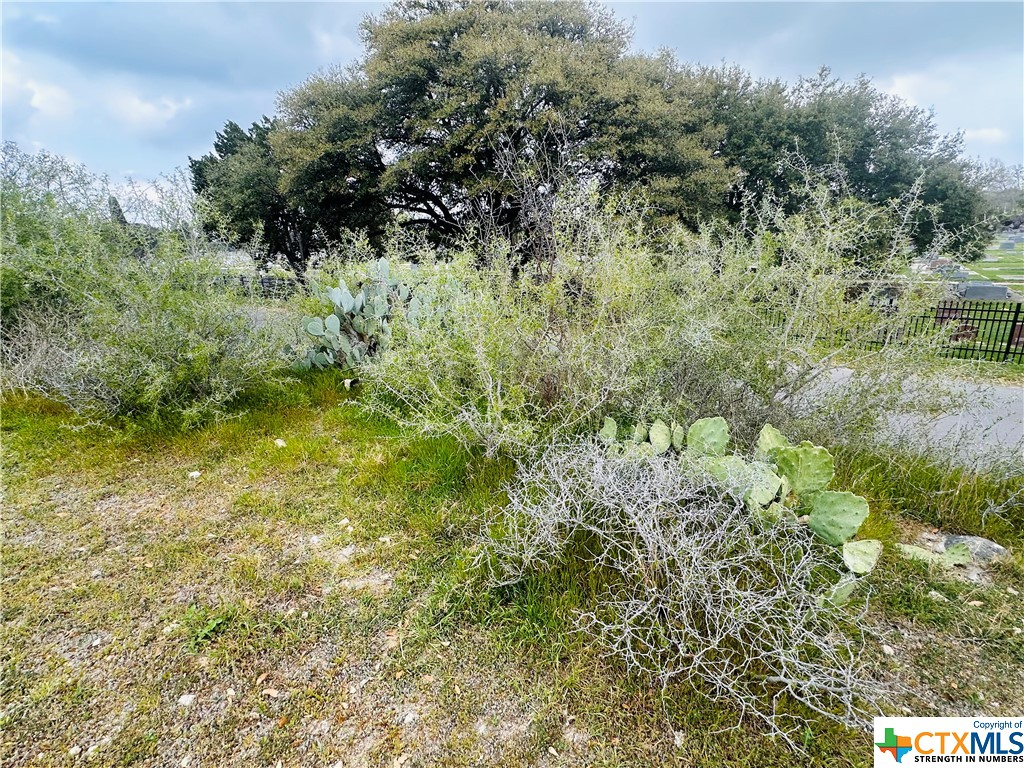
(1013, 327)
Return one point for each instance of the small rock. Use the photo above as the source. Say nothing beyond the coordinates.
(981, 549)
(186, 761)
(552, 751)
(678, 737)
(976, 603)
(97, 574)
(75, 751)
(187, 699)
(888, 650)
(170, 627)
(344, 521)
(974, 572)
(280, 443)
(91, 751)
(410, 718)
(938, 596)
(271, 692)
(194, 474)
(1012, 591)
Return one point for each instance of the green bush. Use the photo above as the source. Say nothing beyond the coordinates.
(522, 354)
(91, 321)
(626, 319)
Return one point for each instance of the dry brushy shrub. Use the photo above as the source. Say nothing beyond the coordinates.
(697, 589)
(119, 319)
(750, 322)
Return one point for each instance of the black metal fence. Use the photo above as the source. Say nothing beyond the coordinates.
(263, 285)
(976, 330)
(979, 330)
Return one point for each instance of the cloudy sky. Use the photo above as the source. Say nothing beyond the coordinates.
(136, 88)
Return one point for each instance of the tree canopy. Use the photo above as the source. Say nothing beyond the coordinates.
(430, 128)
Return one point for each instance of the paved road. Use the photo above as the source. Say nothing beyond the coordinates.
(990, 428)
(992, 425)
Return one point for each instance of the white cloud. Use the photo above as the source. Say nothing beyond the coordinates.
(917, 88)
(50, 100)
(47, 99)
(137, 112)
(986, 135)
(334, 47)
(970, 90)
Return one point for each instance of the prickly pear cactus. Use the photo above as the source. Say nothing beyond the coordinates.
(359, 325)
(708, 436)
(807, 467)
(861, 556)
(769, 441)
(836, 516)
(610, 431)
(660, 436)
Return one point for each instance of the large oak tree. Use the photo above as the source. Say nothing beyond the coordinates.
(433, 127)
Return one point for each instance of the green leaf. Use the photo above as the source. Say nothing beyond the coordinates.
(636, 450)
(610, 431)
(332, 325)
(762, 485)
(768, 442)
(383, 268)
(640, 433)
(729, 470)
(958, 554)
(754, 482)
(678, 437)
(773, 512)
(315, 327)
(808, 467)
(861, 556)
(661, 436)
(708, 436)
(920, 554)
(840, 593)
(347, 301)
(836, 515)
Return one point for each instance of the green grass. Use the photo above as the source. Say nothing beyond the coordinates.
(319, 602)
(1006, 267)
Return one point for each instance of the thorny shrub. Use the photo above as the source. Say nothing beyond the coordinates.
(696, 588)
